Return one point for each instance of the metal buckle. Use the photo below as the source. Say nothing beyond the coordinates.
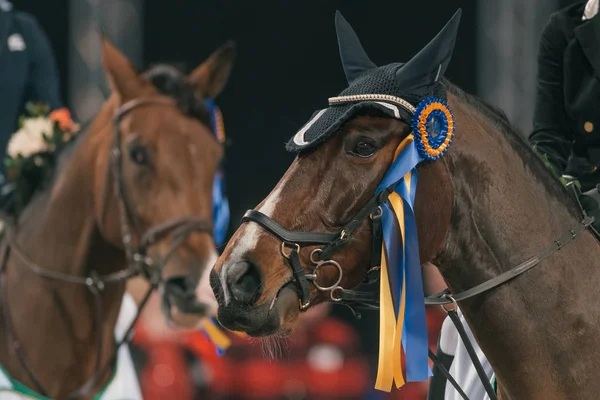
(377, 213)
(304, 307)
(147, 267)
(94, 282)
(453, 301)
(292, 246)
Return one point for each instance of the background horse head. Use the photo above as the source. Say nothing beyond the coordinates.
(132, 195)
(484, 207)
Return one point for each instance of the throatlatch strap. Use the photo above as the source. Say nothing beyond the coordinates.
(376, 241)
(368, 209)
(472, 354)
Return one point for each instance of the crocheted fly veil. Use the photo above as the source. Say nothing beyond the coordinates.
(411, 92)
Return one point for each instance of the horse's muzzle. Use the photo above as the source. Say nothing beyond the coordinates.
(179, 292)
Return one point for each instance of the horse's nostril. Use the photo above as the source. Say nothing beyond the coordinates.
(244, 282)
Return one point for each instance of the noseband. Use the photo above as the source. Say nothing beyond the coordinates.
(138, 261)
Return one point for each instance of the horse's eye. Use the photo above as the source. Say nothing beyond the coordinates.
(364, 149)
(139, 155)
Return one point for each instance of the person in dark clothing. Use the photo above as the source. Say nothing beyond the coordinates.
(566, 125)
(28, 72)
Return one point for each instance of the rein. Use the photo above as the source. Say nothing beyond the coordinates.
(138, 262)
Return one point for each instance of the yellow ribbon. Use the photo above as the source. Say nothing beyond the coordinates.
(216, 335)
(398, 207)
(390, 328)
(387, 328)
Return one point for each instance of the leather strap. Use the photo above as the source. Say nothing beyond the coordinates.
(442, 368)
(306, 238)
(441, 299)
(300, 278)
(368, 209)
(376, 241)
(473, 355)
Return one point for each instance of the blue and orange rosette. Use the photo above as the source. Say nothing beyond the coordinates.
(433, 127)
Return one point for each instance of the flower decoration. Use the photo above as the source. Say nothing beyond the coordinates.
(40, 134)
(32, 153)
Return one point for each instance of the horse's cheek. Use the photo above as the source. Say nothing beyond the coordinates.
(433, 208)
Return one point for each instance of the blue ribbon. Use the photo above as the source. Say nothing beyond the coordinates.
(221, 213)
(220, 209)
(406, 161)
(414, 333)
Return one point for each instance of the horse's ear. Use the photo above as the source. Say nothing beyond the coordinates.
(210, 77)
(122, 76)
(431, 62)
(354, 58)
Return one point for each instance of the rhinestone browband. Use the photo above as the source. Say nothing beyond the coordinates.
(373, 97)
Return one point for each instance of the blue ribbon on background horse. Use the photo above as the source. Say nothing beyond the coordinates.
(402, 309)
(211, 327)
(220, 203)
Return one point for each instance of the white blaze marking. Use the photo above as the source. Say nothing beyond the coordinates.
(248, 239)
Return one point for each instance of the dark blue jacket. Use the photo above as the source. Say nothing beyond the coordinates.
(567, 117)
(27, 70)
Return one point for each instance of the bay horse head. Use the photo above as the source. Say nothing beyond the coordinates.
(133, 194)
(311, 240)
(164, 157)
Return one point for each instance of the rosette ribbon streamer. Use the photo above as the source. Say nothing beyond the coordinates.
(403, 325)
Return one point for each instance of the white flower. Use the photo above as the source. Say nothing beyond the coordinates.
(29, 139)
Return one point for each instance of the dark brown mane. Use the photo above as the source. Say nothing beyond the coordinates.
(171, 82)
(530, 158)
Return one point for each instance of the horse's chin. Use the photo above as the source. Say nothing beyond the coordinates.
(287, 304)
(185, 303)
(182, 320)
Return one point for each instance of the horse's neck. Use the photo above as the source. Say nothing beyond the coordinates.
(538, 331)
(55, 321)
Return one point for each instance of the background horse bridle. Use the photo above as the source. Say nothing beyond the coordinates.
(333, 242)
(138, 262)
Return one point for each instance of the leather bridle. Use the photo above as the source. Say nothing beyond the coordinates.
(138, 261)
(333, 242)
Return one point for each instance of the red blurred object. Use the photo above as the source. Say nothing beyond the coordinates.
(321, 361)
(418, 390)
(166, 374)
